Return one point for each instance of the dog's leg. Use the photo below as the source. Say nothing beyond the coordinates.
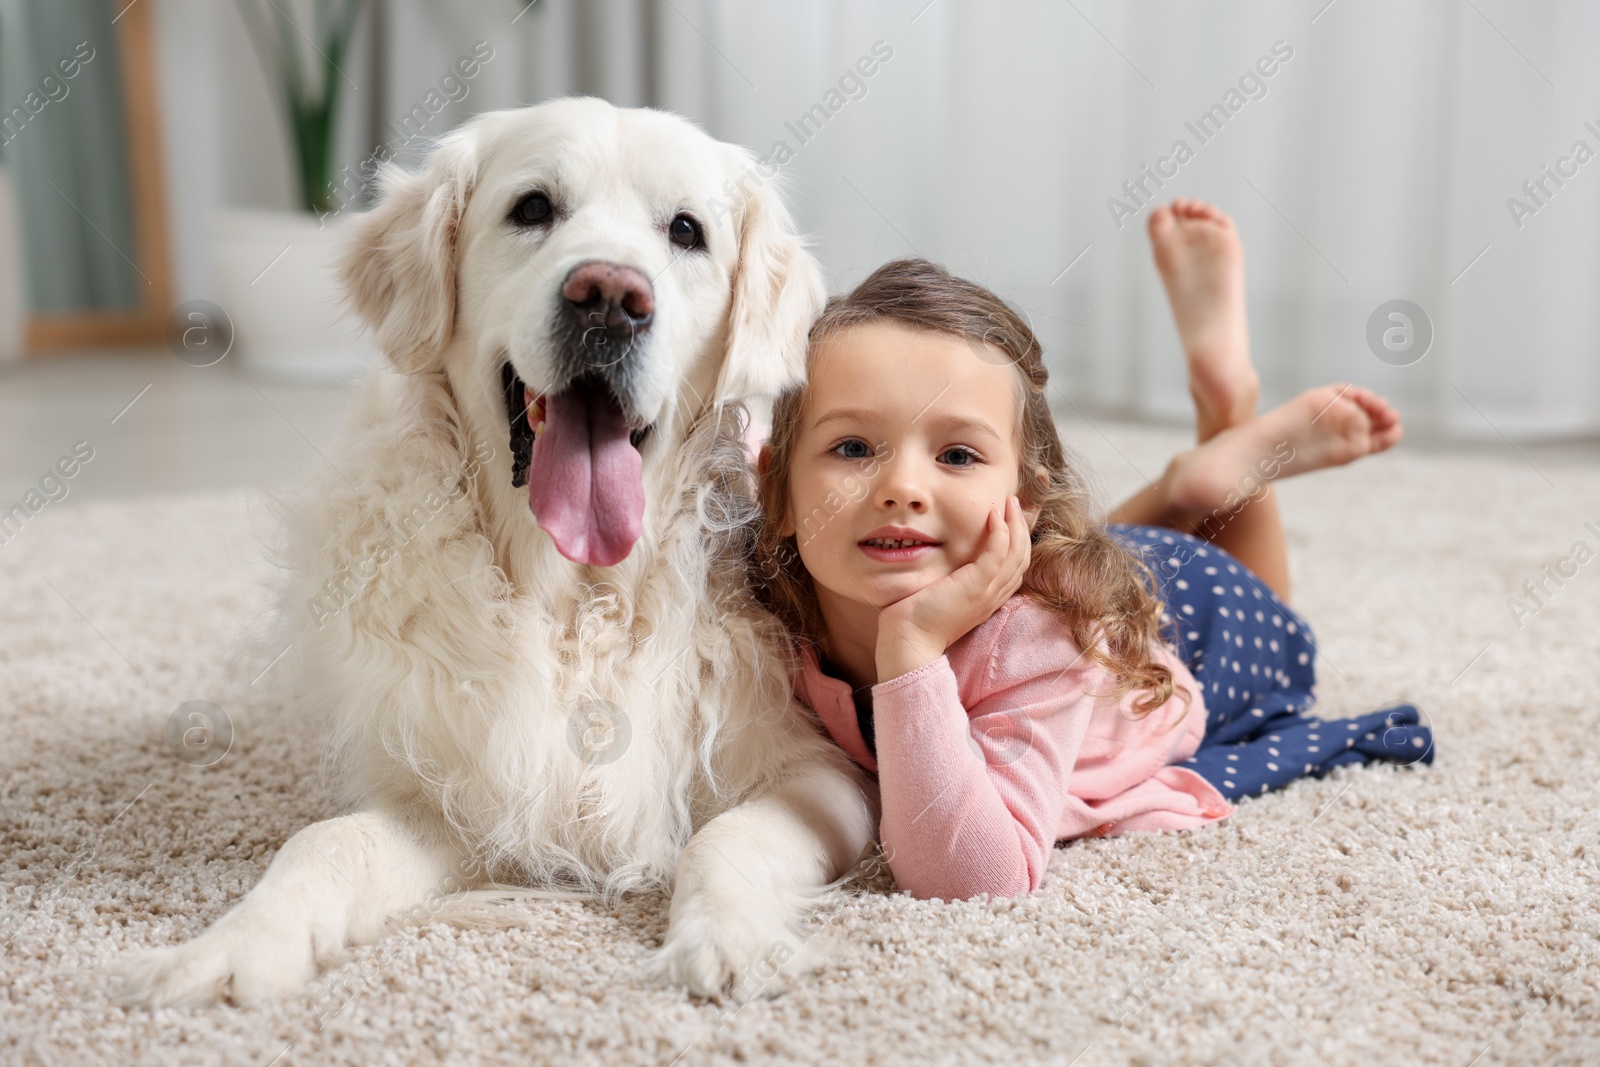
(347, 881)
(750, 873)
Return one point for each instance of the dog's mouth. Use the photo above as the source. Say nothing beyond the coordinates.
(576, 452)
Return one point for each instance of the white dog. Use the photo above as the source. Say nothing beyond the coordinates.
(539, 657)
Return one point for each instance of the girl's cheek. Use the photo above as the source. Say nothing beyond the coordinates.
(962, 553)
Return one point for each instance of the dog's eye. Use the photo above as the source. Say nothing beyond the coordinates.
(686, 233)
(532, 210)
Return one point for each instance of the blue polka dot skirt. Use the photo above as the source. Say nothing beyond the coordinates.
(1254, 659)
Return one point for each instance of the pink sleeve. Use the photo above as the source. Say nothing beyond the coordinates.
(971, 804)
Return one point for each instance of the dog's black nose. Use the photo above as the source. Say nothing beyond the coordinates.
(610, 303)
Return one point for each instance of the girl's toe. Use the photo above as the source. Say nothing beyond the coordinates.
(1160, 221)
(1387, 437)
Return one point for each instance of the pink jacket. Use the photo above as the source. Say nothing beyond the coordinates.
(998, 749)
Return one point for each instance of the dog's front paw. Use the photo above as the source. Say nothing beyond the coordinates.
(733, 950)
(221, 962)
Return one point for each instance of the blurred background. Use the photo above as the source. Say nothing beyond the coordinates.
(174, 175)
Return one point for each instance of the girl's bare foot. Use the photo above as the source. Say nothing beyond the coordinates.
(1324, 427)
(1202, 266)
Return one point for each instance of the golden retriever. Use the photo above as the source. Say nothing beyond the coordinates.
(521, 605)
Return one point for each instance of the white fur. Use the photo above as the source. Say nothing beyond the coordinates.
(451, 676)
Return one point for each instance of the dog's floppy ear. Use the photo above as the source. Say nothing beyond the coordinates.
(399, 262)
(778, 292)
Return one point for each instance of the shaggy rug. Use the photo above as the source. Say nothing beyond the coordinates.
(1385, 914)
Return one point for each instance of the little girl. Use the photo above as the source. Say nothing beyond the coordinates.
(1014, 672)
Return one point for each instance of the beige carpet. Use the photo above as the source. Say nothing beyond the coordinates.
(1442, 914)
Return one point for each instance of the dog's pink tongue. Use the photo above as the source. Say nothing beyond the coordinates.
(584, 480)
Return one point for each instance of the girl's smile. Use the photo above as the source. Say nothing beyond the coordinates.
(897, 544)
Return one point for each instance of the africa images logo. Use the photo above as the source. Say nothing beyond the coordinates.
(1252, 85)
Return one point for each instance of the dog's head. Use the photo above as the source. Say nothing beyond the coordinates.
(590, 279)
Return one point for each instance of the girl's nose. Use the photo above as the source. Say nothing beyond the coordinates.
(900, 487)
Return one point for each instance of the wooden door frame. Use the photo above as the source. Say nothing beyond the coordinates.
(59, 330)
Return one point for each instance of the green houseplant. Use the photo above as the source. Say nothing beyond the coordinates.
(306, 65)
(275, 268)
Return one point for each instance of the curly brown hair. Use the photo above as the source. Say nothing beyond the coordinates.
(1105, 594)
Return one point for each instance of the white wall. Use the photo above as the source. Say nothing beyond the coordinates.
(1378, 165)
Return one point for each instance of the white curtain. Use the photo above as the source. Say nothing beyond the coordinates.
(1376, 165)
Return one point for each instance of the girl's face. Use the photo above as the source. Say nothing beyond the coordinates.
(907, 439)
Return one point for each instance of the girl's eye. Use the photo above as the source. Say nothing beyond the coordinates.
(959, 457)
(855, 448)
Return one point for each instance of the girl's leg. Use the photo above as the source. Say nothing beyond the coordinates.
(1216, 490)
(1223, 493)
(1201, 262)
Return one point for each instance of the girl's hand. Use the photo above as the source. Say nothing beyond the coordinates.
(917, 630)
